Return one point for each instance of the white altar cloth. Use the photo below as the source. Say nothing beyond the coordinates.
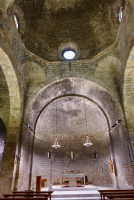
(72, 178)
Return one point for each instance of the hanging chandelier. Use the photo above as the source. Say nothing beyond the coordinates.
(56, 145)
(87, 142)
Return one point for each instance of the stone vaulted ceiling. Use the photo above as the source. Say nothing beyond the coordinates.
(72, 117)
(51, 23)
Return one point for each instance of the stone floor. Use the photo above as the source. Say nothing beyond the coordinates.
(89, 192)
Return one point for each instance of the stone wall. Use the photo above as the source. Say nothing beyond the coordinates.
(83, 161)
(23, 78)
(117, 148)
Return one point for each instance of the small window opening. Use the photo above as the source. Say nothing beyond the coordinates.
(68, 54)
(120, 14)
(16, 21)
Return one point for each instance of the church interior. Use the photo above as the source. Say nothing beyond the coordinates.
(66, 92)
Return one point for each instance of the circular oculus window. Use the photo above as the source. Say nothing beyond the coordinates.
(68, 51)
(68, 54)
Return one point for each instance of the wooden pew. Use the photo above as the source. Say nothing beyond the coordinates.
(116, 193)
(48, 193)
(24, 198)
(120, 196)
(32, 192)
(44, 195)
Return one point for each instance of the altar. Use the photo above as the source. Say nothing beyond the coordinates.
(72, 179)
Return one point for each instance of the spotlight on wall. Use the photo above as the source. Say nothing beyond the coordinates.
(4, 141)
(28, 126)
(117, 122)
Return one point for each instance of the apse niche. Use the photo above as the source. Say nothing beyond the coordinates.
(70, 120)
(2, 140)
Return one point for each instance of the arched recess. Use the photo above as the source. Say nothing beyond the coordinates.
(17, 11)
(114, 11)
(72, 86)
(12, 120)
(128, 93)
(108, 75)
(2, 140)
(63, 88)
(14, 93)
(74, 116)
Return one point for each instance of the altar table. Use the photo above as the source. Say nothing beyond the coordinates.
(72, 179)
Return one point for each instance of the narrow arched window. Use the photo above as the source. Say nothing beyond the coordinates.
(120, 14)
(2, 140)
(16, 21)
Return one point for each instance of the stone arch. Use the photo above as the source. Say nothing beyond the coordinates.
(14, 93)
(128, 93)
(72, 81)
(75, 86)
(73, 95)
(36, 73)
(13, 119)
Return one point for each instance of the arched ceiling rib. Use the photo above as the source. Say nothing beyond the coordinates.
(72, 87)
(70, 117)
(14, 94)
(71, 96)
(129, 94)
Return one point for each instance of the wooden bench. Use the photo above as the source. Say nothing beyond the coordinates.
(42, 194)
(121, 193)
(24, 198)
(120, 196)
(31, 191)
